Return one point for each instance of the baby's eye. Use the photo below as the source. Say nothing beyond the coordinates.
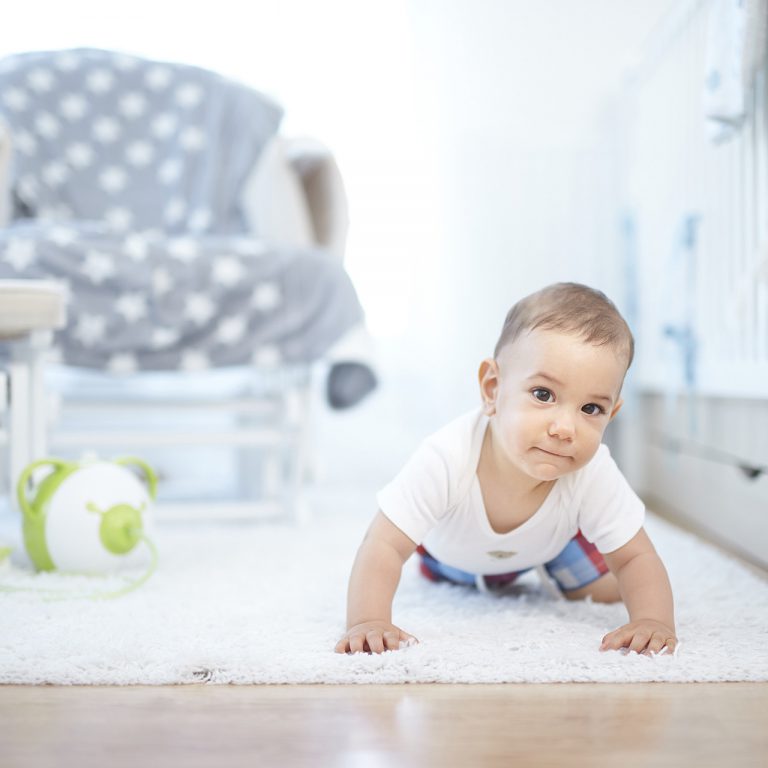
(592, 409)
(542, 395)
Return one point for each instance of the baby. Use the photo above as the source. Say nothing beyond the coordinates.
(524, 482)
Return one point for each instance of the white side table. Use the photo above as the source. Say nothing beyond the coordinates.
(30, 310)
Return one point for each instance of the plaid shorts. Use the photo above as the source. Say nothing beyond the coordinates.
(576, 566)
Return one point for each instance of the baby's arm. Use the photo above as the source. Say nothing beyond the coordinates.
(647, 595)
(372, 584)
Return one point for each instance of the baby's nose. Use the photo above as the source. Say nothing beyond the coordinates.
(562, 428)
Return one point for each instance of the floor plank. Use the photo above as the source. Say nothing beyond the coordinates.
(656, 724)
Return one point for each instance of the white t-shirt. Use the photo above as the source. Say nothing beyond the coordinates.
(436, 501)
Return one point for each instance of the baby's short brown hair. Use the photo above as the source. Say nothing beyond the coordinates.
(571, 308)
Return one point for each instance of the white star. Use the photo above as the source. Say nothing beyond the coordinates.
(183, 248)
(175, 210)
(112, 179)
(106, 130)
(267, 356)
(139, 153)
(199, 220)
(249, 246)
(66, 62)
(73, 106)
(16, 99)
(230, 330)
(161, 281)
(192, 139)
(164, 125)
(266, 297)
(98, 266)
(47, 125)
(189, 95)
(199, 308)
(163, 337)
(169, 171)
(125, 62)
(133, 105)
(80, 155)
(40, 80)
(227, 270)
(25, 142)
(193, 360)
(122, 363)
(55, 174)
(28, 187)
(158, 78)
(62, 236)
(20, 254)
(90, 328)
(100, 81)
(136, 247)
(132, 306)
(118, 218)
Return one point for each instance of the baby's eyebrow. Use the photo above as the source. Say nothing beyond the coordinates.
(542, 375)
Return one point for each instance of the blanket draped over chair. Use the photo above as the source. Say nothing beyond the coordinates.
(126, 181)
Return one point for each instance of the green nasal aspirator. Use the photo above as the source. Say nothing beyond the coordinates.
(87, 517)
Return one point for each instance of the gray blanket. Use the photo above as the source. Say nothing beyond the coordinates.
(126, 180)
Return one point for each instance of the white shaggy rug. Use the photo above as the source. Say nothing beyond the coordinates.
(264, 603)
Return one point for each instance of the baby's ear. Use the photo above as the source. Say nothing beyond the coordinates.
(488, 376)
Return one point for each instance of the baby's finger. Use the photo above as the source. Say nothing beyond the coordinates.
(656, 643)
(375, 641)
(615, 640)
(671, 644)
(357, 643)
(342, 646)
(391, 640)
(639, 640)
(406, 639)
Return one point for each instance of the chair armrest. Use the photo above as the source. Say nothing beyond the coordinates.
(5, 174)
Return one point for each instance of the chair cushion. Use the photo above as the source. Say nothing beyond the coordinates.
(30, 305)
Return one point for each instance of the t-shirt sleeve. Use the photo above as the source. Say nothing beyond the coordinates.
(610, 512)
(418, 496)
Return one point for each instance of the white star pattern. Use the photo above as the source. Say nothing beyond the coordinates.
(183, 248)
(132, 306)
(20, 254)
(55, 174)
(62, 236)
(25, 143)
(106, 130)
(189, 95)
(139, 153)
(192, 360)
(227, 270)
(132, 105)
(192, 139)
(28, 187)
(73, 106)
(98, 266)
(66, 62)
(199, 220)
(16, 99)
(40, 80)
(266, 297)
(124, 62)
(231, 330)
(164, 125)
(158, 78)
(47, 125)
(112, 179)
(100, 81)
(162, 338)
(267, 356)
(80, 155)
(118, 218)
(90, 328)
(169, 171)
(161, 281)
(199, 308)
(122, 363)
(136, 247)
(249, 246)
(175, 210)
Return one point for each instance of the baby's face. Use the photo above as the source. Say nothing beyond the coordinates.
(552, 398)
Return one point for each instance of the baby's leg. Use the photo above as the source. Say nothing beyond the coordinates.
(580, 571)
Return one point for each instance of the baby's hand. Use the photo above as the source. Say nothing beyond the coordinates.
(644, 636)
(374, 637)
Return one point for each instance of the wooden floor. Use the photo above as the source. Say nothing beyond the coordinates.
(593, 725)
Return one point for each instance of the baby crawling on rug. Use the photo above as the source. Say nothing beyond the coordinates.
(524, 482)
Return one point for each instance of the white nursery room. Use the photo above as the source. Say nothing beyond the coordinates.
(384, 384)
